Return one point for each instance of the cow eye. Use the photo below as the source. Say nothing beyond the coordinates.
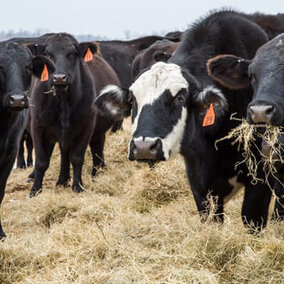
(71, 55)
(180, 98)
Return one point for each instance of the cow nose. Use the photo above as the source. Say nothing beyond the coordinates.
(262, 113)
(59, 79)
(145, 150)
(18, 101)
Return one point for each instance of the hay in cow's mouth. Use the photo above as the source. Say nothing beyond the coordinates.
(245, 136)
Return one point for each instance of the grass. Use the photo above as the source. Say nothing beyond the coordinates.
(133, 225)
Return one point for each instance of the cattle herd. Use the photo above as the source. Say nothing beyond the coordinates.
(180, 90)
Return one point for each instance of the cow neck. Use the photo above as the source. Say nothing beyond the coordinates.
(64, 114)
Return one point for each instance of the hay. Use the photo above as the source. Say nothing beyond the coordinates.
(132, 225)
(246, 136)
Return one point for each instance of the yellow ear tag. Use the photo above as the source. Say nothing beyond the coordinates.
(44, 74)
(89, 55)
(209, 118)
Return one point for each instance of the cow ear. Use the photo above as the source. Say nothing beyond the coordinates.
(87, 50)
(42, 64)
(161, 56)
(36, 49)
(114, 101)
(211, 104)
(230, 71)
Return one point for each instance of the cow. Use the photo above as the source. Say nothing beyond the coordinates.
(16, 67)
(22, 163)
(265, 74)
(273, 25)
(63, 109)
(160, 50)
(119, 54)
(177, 108)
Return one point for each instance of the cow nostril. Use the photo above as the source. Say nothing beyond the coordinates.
(269, 110)
(154, 147)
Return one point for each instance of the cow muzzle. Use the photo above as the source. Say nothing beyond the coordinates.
(261, 113)
(18, 101)
(146, 149)
(60, 79)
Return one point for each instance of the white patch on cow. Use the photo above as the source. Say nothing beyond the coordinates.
(111, 108)
(211, 89)
(153, 83)
(113, 89)
(280, 42)
(172, 142)
(117, 96)
(236, 187)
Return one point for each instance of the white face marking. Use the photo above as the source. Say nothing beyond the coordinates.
(211, 89)
(172, 142)
(236, 187)
(153, 83)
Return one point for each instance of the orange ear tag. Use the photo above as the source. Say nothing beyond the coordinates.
(209, 118)
(88, 56)
(44, 74)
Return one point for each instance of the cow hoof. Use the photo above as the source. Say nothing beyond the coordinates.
(35, 192)
(64, 183)
(78, 188)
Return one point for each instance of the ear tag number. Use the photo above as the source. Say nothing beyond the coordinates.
(209, 118)
(44, 74)
(88, 56)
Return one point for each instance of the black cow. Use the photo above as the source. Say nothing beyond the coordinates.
(64, 111)
(273, 25)
(16, 67)
(178, 108)
(160, 50)
(265, 72)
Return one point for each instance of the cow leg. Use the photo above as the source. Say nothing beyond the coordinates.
(31, 177)
(255, 206)
(77, 160)
(29, 145)
(204, 207)
(97, 148)
(117, 126)
(43, 154)
(4, 173)
(21, 163)
(64, 175)
(278, 213)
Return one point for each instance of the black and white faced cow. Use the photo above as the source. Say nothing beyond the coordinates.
(265, 73)
(16, 68)
(177, 108)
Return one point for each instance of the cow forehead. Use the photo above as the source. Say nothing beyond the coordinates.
(153, 83)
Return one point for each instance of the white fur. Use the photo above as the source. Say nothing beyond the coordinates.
(211, 89)
(112, 89)
(152, 84)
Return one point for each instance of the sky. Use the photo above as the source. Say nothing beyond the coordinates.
(117, 19)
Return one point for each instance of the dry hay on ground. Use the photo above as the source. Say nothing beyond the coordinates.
(133, 225)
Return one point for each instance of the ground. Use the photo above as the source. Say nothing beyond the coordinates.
(132, 225)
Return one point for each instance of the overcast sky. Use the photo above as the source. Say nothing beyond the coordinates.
(112, 18)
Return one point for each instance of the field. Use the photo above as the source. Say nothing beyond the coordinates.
(132, 225)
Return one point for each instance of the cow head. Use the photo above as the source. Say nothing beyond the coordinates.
(16, 68)
(265, 73)
(161, 101)
(66, 54)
